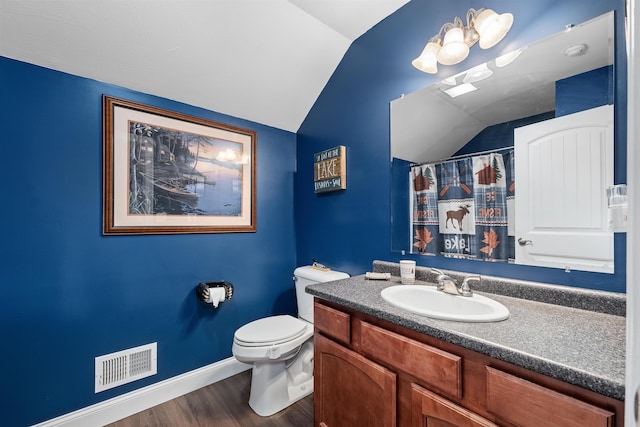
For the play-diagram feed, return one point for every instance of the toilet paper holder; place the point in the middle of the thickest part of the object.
(202, 290)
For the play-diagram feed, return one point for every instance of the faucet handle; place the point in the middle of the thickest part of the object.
(442, 279)
(441, 275)
(465, 290)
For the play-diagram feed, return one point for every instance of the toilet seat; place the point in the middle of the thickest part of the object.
(269, 331)
(270, 339)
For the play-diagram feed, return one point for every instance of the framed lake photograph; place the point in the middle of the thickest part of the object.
(166, 172)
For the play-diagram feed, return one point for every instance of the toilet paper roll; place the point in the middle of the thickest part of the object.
(216, 296)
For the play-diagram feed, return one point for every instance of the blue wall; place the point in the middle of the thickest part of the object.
(584, 91)
(349, 229)
(70, 294)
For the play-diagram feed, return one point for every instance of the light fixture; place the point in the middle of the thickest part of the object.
(576, 50)
(428, 59)
(454, 49)
(508, 58)
(460, 90)
(450, 81)
(477, 73)
(492, 27)
(451, 45)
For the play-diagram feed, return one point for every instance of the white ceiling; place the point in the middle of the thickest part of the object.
(262, 60)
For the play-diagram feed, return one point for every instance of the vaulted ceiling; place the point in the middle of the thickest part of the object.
(262, 60)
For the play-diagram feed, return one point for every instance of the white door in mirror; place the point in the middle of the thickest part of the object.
(563, 167)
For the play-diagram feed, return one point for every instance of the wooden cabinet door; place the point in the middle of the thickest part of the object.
(351, 390)
(431, 410)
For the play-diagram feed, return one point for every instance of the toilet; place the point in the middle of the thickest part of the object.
(281, 349)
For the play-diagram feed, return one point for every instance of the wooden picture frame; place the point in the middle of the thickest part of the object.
(170, 173)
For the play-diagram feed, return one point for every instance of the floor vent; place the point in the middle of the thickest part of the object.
(126, 366)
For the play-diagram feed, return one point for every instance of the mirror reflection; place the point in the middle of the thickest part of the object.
(479, 109)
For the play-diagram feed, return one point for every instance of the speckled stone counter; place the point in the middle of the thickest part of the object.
(582, 347)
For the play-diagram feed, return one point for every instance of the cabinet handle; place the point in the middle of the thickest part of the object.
(523, 242)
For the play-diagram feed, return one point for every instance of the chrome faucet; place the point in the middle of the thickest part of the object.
(449, 285)
(445, 283)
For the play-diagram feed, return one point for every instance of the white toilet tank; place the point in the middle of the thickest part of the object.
(305, 276)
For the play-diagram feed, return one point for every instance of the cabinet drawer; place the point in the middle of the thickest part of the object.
(332, 322)
(430, 365)
(527, 404)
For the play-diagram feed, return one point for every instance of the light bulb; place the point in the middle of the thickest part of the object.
(508, 58)
(492, 27)
(454, 49)
(427, 61)
(477, 73)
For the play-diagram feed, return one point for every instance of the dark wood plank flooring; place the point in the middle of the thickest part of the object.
(222, 404)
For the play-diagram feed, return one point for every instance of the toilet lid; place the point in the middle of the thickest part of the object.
(270, 330)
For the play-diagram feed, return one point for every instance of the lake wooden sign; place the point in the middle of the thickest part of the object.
(330, 170)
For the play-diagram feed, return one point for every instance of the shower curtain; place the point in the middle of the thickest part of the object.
(464, 208)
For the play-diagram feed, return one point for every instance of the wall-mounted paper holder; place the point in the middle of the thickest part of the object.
(214, 292)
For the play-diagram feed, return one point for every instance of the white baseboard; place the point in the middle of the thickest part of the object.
(133, 402)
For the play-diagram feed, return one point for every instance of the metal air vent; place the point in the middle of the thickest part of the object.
(125, 366)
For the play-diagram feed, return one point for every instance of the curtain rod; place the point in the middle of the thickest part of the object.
(459, 156)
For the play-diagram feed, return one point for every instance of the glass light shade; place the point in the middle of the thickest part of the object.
(508, 58)
(477, 74)
(492, 27)
(428, 59)
(450, 81)
(454, 49)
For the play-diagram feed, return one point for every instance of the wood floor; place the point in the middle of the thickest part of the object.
(223, 404)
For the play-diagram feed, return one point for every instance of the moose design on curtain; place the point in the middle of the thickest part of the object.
(464, 208)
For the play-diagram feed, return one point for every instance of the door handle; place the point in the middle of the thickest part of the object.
(523, 242)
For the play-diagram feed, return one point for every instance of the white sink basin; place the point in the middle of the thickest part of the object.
(428, 301)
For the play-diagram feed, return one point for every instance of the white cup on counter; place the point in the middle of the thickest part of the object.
(407, 272)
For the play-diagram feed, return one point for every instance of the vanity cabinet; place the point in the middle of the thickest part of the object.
(351, 390)
(372, 372)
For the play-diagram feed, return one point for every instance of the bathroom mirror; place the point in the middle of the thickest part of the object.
(519, 88)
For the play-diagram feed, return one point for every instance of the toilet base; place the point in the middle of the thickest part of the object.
(275, 386)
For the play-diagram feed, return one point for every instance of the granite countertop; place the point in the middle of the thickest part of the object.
(581, 347)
